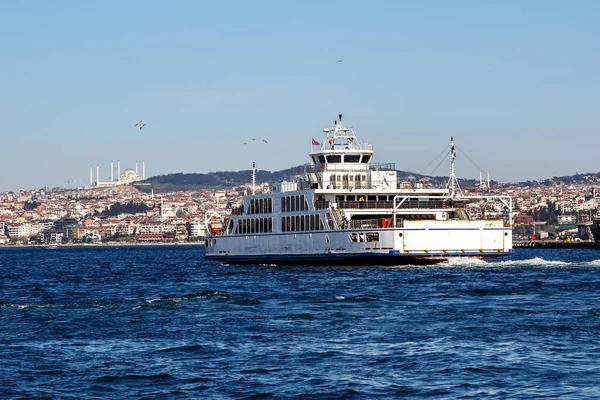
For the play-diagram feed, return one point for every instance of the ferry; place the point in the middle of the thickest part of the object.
(347, 210)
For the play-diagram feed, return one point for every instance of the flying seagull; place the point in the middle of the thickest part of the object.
(139, 123)
(265, 141)
(340, 61)
(142, 126)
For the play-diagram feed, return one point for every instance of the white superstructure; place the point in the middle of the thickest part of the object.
(347, 209)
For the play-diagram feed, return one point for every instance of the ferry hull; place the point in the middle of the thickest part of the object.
(351, 259)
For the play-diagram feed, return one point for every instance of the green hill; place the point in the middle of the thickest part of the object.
(228, 179)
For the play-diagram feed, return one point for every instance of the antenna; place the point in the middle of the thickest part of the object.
(253, 177)
(452, 182)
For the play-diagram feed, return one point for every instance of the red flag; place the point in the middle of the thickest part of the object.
(315, 143)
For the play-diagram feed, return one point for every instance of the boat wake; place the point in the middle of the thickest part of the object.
(530, 262)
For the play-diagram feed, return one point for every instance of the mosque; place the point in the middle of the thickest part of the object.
(127, 177)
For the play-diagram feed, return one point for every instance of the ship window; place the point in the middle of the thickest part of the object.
(292, 223)
(270, 224)
(297, 198)
(350, 198)
(314, 160)
(322, 159)
(373, 237)
(270, 207)
(353, 237)
(365, 159)
(334, 159)
(354, 158)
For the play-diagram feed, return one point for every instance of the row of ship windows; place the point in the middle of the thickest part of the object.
(265, 206)
(347, 177)
(291, 223)
(296, 223)
(260, 206)
(254, 225)
(294, 203)
(364, 237)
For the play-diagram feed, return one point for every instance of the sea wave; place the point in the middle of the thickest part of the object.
(533, 262)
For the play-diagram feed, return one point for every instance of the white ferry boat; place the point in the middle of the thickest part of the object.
(345, 209)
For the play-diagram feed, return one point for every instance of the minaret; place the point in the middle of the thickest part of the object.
(161, 208)
(143, 170)
(136, 167)
(119, 170)
(97, 175)
(112, 172)
(91, 176)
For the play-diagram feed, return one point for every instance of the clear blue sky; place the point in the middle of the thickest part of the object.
(516, 82)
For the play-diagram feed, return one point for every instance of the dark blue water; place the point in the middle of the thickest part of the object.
(163, 322)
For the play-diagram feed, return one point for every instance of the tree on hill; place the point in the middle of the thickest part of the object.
(123, 208)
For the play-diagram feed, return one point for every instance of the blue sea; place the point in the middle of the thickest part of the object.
(158, 322)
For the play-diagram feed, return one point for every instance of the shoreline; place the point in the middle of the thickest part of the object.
(111, 244)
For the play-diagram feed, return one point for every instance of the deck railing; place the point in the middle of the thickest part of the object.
(408, 204)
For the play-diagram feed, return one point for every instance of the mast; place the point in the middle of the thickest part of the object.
(253, 177)
(452, 182)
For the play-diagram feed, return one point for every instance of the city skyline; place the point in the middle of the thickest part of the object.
(514, 83)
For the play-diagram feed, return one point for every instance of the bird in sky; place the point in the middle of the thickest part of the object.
(139, 123)
(340, 61)
(245, 142)
(142, 126)
(265, 141)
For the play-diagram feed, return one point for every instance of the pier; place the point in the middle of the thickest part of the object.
(557, 244)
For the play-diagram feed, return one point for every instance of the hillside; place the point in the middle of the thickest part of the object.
(227, 179)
